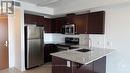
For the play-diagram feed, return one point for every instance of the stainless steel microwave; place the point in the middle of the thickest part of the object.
(70, 29)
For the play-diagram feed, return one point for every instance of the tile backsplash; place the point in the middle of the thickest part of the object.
(59, 38)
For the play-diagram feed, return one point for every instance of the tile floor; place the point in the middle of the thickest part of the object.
(42, 69)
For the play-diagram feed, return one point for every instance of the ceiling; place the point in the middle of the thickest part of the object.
(41, 2)
(62, 7)
(62, 3)
(65, 3)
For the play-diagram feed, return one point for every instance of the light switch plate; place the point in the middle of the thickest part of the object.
(68, 63)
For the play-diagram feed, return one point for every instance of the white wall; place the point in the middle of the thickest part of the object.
(16, 45)
(117, 36)
(11, 41)
(14, 39)
(17, 38)
(22, 40)
(69, 6)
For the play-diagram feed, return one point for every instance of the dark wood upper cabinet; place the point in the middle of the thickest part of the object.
(30, 19)
(89, 23)
(38, 20)
(33, 19)
(96, 22)
(47, 25)
(81, 22)
(70, 18)
(58, 24)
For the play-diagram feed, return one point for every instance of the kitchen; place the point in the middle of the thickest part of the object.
(104, 39)
(69, 26)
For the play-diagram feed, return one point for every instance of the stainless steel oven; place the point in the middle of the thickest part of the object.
(70, 29)
(70, 43)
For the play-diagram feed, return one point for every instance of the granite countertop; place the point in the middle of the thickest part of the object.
(63, 43)
(52, 42)
(73, 45)
(83, 57)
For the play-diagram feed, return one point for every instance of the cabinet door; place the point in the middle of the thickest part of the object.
(70, 18)
(47, 25)
(57, 24)
(60, 65)
(47, 57)
(79, 68)
(49, 48)
(40, 20)
(45, 22)
(53, 25)
(96, 22)
(81, 22)
(30, 19)
(100, 65)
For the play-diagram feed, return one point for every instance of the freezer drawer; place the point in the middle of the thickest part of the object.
(34, 53)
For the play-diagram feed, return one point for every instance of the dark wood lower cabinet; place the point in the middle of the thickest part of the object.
(49, 48)
(79, 68)
(59, 65)
(99, 66)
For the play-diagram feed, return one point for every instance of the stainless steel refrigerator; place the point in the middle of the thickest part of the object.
(33, 46)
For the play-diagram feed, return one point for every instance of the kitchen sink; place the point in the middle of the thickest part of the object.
(83, 50)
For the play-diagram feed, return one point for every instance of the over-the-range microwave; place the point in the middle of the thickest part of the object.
(69, 29)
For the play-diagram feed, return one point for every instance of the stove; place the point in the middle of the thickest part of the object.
(69, 44)
(72, 41)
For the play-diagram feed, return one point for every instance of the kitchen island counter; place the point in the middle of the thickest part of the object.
(83, 57)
